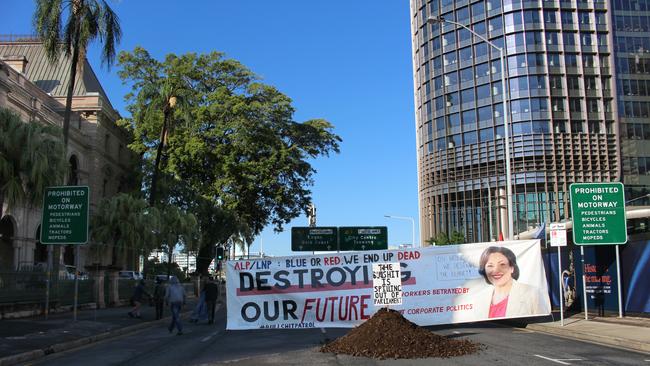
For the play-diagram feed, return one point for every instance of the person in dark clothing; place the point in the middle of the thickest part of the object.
(159, 298)
(138, 294)
(211, 296)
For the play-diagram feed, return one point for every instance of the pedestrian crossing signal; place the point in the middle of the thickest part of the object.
(219, 253)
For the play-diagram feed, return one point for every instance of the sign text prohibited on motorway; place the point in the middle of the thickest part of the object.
(65, 215)
(598, 211)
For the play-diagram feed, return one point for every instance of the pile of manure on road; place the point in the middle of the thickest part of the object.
(387, 334)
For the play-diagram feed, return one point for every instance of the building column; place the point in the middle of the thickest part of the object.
(97, 274)
(113, 288)
(18, 248)
(503, 213)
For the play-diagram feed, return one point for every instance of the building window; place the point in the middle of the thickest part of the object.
(557, 104)
(576, 127)
(107, 144)
(575, 105)
(531, 16)
(555, 81)
(569, 39)
(567, 17)
(549, 16)
(478, 9)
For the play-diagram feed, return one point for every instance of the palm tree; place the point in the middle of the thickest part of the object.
(124, 221)
(86, 21)
(32, 158)
(160, 95)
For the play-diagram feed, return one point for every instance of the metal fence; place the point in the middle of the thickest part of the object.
(30, 288)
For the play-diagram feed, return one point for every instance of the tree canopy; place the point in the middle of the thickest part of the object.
(32, 157)
(231, 141)
(69, 26)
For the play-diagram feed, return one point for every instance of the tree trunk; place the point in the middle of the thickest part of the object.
(203, 259)
(169, 260)
(159, 152)
(68, 99)
(2, 202)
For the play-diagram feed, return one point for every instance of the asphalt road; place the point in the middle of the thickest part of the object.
(212, 345)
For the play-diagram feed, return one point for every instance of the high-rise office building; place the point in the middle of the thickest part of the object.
(577, 99)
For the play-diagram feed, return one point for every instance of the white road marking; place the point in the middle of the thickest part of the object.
(210, 336)
(559, 360)
(456, 332)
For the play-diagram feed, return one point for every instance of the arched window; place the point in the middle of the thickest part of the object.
(6, 244)
(73, 172)
(40, 251)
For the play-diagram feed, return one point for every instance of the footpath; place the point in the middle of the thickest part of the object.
(630, 333)
(27, 339)
(22, 340)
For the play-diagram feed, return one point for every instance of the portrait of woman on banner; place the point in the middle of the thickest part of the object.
(505, 296)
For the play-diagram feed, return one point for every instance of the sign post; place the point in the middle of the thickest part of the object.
(558, 239)
(65, 221)
(598, 211)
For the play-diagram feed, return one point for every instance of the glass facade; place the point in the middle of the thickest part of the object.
(632, 50)
(562, 106)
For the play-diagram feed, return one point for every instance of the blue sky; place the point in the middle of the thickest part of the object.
(346, 61)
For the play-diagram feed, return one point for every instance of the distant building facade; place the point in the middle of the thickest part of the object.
(97, 153)
(579, 102)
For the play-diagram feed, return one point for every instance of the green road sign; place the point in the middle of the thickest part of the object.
(65, 215)
(310, 239)
(598, 211)
(363, 238)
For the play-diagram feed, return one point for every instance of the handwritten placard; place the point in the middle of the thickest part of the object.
(386, 284)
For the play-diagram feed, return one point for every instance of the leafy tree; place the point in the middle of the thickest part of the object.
(457, 237)
(32, 158)
(441, 238)
(161, 102)
(125, 222)
(153, 267)
(175, 227)
(86, 20)
(234, 143)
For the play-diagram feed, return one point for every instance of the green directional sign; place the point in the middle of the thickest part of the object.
(598, 211)
(363, 238)
(310, 239)
(65, 215)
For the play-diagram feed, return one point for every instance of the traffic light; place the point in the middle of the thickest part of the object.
(219, 253)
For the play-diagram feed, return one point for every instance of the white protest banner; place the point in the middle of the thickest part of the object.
(440, 285)
(386, 284)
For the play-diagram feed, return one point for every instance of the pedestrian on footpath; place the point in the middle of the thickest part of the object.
(200, 311)
(175, 297)
(159, 298)
(138, 293)
(211, 296)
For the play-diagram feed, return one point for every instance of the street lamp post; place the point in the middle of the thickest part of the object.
(412, 225)
(506, 137)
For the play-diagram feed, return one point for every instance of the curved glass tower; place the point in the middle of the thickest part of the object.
(561, 100)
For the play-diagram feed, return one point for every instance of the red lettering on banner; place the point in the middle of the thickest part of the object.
(408, 255)
(331, 261)
(339, 308)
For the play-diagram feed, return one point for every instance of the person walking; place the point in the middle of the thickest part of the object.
(138, 293)
(159, 298)
(200, 311)
(175, 297)
(211, 297)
